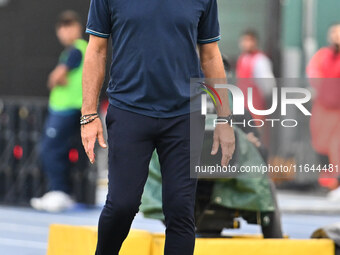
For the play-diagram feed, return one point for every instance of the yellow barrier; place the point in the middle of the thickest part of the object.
(81, 240)
(254, 246)
(77, 240)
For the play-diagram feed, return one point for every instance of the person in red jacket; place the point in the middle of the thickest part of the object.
(254, 70)
(252, 66)
(324, 68)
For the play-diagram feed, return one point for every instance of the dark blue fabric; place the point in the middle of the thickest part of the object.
(154, 50)
(132, 139)
(72, 58)
(60, 130)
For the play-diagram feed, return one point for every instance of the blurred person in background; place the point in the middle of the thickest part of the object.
(62, 123)
(325, 119)
(254, 70)
(254, 64)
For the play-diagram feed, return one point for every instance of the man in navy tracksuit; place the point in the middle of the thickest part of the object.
(154, 56)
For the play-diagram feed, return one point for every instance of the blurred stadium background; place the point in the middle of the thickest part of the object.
(290, 31)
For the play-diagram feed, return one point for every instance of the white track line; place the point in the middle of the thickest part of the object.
(23, 243)
(23, 228)
(44, 217)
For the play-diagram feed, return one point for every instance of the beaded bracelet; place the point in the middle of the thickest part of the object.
(88, 118)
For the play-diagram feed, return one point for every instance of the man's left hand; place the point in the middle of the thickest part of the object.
(224, 136)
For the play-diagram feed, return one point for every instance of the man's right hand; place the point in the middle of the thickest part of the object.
(93, 78)
(89, 134)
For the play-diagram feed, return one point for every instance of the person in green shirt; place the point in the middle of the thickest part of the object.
(62, 123)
